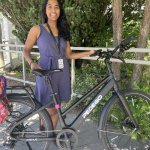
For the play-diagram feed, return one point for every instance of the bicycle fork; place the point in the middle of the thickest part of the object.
(120, 94)
(125, 104)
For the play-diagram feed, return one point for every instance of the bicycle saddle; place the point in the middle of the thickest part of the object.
(44, 72)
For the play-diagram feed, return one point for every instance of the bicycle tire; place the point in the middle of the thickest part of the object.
(23, 104)
(117, 130)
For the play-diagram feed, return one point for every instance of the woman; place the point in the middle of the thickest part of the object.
(51, 56)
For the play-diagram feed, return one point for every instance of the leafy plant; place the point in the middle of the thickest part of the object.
(140, 109)
(86, 78)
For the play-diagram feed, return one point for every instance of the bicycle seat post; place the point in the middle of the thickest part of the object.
(55, 101)
(49, 83)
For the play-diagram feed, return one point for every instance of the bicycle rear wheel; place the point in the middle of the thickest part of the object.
(117, 128)
(21, 106)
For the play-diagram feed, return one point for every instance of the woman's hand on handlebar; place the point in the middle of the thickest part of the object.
(96, 52)
(34, 66)
(92, 52)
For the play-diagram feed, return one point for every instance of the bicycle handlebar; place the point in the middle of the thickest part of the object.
(128, 40)
(123, 46)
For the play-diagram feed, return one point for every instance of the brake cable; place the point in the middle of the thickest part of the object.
(122, 49)
(125, 72)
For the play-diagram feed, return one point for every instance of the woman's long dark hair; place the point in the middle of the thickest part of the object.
(62, 24)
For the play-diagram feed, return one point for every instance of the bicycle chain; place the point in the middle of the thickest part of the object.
(37, 132)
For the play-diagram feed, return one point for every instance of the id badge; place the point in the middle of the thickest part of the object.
(60, 63)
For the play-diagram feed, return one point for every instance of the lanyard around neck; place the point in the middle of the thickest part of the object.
(57, 44)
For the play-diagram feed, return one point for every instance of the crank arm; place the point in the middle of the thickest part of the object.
(67, 141)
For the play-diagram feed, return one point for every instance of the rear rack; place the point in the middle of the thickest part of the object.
(27, 92)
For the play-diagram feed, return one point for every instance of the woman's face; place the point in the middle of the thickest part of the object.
(52, 10)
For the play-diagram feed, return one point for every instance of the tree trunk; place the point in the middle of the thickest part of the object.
(142, 43)
(1, 53)
(117, 33)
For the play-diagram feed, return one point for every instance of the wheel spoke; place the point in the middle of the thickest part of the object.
(118, 129)
(20, 108)
(114, 117)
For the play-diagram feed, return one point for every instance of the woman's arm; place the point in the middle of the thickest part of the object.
(71, 55)
(31, 39)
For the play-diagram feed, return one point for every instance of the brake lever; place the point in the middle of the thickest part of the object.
(98, 58)
(100, 55)
(125, 48)
(135, 46)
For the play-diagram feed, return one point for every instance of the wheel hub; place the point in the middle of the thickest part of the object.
(127, 123)
(11, 143)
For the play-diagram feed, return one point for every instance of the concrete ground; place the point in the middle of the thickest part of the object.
(87, 135)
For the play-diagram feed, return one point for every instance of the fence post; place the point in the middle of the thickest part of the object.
(72, 75)
(8, 55)
(24, 69)
(2, 63)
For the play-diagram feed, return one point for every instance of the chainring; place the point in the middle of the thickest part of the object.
(60, 139)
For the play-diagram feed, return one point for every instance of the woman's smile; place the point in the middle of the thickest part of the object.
(53, 10)
(53, 15)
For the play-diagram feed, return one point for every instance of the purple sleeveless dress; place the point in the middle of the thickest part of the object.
(49, 60)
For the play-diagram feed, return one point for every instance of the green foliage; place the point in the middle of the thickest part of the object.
(148, 43)
(145, 80)
(86, 78)
(89, 76)
(90, 21)
(131, 27)
(17, 74)
(139, 109)
(23, 14)
(140, 112)
(132, 9)
(87, 20)
(126, 81)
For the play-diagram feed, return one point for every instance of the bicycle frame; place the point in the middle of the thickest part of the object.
(107, 84)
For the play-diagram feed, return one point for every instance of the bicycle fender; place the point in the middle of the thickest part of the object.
(101, 118)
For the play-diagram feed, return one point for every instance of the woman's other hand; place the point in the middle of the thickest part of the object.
(34, 66)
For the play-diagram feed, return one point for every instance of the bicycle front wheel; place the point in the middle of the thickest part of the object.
(21, 105)
(118, 131)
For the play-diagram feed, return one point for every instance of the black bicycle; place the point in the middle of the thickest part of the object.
(120, 126)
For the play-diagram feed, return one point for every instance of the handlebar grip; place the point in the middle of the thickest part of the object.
(96, 53)
(127, 41)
